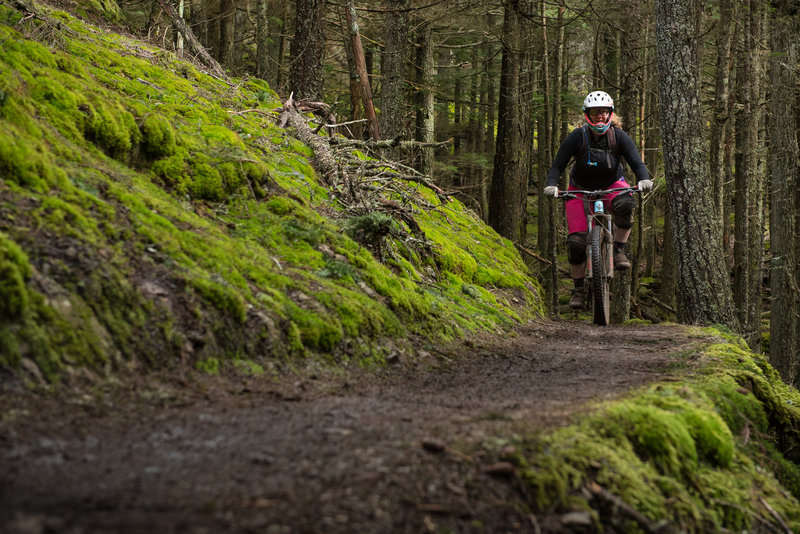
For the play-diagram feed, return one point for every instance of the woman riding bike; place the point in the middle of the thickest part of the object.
(597, 148)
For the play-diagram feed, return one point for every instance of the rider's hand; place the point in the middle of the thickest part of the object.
(645, 185)
(551, 191)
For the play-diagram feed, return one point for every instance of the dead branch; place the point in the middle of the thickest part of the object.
(631, 512)
(190, 38)
(32, 11)
(776, 515)
(326, 165)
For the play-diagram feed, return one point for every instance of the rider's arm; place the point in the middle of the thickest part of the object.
(569, 146)
(628, 150)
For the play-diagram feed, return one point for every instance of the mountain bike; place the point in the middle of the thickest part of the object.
(599, 249)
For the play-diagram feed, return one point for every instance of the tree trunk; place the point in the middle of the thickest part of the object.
(262, 40)
(227, 32)
(426, 73)
(703, 290)
(508, 193)
(212, 26)
(355, 130)
(393, 69)
(548, 228)
(784, 156)
(722, 111)
(308, 50)
(748, 228)
(361, 69)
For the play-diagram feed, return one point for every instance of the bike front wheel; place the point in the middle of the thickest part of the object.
(601, 305)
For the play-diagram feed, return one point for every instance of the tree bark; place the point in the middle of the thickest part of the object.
(393, 69)
(227, 32)
(722, 111)
(262, 40)
(509, 183)
(784, 156)
(361, 69)
(308, 50)
(703, 291)
(748, 226)
(425, 116)
(548, 228)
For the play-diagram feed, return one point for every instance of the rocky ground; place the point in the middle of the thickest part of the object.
(416, 447)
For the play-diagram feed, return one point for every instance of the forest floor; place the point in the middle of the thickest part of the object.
(415, 447)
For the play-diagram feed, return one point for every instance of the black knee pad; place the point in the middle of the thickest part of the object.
(622, 206)
(576, 247)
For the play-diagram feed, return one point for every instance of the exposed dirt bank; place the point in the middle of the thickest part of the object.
(413, 448)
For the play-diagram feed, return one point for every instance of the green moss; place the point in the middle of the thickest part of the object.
(14, 274)
(703, 454)
(209, 366)
(136, 158)
(158, 136)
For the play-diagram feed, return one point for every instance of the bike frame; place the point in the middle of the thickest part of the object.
(597, 217)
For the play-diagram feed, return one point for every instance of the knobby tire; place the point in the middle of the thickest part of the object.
(601, 305)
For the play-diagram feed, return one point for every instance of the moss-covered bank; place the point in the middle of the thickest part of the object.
(715, 451)
(152, 214)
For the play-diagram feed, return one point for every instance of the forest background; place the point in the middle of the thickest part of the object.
(488, 89)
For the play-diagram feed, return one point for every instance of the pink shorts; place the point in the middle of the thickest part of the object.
(576, 217)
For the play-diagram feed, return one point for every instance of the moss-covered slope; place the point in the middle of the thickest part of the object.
(151, 213)
(715, 450)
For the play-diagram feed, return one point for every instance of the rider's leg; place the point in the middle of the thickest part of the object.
(576, 255)
(622, 207)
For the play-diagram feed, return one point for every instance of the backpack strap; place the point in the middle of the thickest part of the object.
(612, 142)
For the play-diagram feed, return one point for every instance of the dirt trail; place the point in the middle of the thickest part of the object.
(349, 453)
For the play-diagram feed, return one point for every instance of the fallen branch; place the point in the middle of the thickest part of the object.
(194, 44)
(540, 259)
(776, 515)
(631, 512)
(325, 163)
(387, 143)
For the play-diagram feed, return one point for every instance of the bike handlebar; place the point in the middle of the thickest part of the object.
(573, 193)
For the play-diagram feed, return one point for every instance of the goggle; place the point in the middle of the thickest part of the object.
(596, 112)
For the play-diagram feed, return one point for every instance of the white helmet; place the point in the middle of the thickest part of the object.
(598, 99)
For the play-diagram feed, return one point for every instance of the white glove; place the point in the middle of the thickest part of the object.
(645, 185)
(551, 191)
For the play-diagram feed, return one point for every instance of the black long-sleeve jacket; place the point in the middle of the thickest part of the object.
(591, 177)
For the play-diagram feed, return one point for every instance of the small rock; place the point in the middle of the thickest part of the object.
(432, 445)
(577, 519)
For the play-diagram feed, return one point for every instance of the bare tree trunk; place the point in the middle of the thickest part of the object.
(509, 179)
(425, 97)
(227, 32)
(308, 50)
(212, 26)
(262, 40)
(361, 68)
(784, 155)
(548, 229)
(277, 51)
(703, 291)
(355, 130)
(748, 228)
(630, 76)
(722, 111)
(393, 69)
(457, 107)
